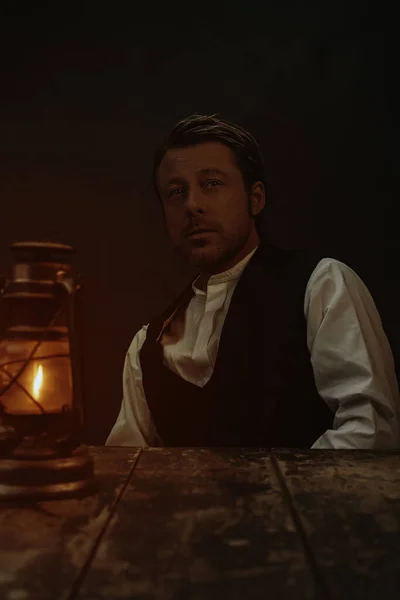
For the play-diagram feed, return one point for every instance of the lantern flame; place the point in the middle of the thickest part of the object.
(38, 382)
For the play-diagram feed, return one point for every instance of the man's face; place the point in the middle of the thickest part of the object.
(205, 203)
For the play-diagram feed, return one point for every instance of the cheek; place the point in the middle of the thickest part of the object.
(235, 215)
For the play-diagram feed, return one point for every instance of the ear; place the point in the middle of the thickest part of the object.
(257, 198)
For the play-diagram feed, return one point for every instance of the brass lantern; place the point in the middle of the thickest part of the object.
(41, 407)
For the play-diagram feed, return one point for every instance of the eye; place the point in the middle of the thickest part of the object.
(213, 183)
(175, 192)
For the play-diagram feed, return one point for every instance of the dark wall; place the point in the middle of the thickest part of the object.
(86, 97)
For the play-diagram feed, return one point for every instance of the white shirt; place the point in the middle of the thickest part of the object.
(350, 355)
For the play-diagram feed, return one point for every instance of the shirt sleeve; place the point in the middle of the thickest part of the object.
(352, 360)
(134, 425)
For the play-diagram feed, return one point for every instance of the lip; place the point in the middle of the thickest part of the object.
(200, 231)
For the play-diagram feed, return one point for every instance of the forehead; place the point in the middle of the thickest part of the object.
(186, 161)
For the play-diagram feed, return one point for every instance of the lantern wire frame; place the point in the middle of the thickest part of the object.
(28, 360)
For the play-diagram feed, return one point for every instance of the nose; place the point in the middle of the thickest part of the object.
(194, 203)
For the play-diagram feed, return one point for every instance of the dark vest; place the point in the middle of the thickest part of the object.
(262, 391)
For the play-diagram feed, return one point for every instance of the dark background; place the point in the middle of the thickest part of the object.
(87, 95)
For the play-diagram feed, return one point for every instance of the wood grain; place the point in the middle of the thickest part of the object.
(348, 505)
(45, 545)
(201, 524)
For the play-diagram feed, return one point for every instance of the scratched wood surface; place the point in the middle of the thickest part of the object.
(348, 505)
(197, 524)
(45, 546)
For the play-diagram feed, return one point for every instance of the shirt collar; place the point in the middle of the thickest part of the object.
(231, 274)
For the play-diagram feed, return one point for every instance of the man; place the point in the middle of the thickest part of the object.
(267, 347)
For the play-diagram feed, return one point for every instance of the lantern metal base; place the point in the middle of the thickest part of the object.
(46, 478)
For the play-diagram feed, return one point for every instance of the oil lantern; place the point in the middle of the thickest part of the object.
(42, 454)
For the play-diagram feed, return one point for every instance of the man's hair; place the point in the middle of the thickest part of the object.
(197, 129)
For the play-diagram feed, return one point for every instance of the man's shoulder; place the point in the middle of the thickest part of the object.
(302, 260)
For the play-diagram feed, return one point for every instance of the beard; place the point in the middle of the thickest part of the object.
(211, 252)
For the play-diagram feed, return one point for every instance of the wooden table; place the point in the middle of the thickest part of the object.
(203, 524)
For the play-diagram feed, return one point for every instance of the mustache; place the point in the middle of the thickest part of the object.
(198, 225)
